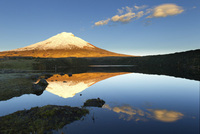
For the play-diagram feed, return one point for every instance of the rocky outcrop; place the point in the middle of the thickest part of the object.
(94, 103)
(39, 87)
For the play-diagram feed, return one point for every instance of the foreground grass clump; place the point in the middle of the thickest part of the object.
(40, 119)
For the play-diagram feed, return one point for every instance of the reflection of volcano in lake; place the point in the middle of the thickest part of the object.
(65, 86)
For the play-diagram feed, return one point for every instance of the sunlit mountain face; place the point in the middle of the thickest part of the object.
(60, 45)
(67, 86)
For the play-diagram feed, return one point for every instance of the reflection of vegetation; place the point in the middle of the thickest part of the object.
(14, 87)
(40, 120)
(17, 84)
(183, 64)
(94, 103)
(136, 114)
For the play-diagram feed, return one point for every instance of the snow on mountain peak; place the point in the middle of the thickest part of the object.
(65, 34)
(62, 40)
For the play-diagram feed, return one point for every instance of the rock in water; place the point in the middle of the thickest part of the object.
(39, 87)
(43, 82)
(94, 103)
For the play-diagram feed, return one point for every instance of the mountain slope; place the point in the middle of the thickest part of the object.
(60, 45)
(60, 41)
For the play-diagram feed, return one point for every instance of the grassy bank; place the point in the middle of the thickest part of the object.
(28, 63)
(20, 64)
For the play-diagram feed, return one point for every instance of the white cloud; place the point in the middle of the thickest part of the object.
(127, 17)
(127, 14)
(136, 7)
(148, 11)
(129, 9)
(165, 10)
(120, 11)
(140, 14)
(102, 22)
(123, 18)
(140, 7)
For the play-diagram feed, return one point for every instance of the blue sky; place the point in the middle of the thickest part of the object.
(25, 22)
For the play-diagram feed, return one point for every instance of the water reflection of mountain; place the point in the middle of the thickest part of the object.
(67, 86)
(62, 85)
(17, 84)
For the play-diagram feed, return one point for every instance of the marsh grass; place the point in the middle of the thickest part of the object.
(21, 64)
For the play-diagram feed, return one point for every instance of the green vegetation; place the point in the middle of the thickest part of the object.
(40, 119)
(52, 63)
(183, 64)
(14, 86)
(29, 63)
(182, 59)
(20, 64)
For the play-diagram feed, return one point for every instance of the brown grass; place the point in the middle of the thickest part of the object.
(96, 52)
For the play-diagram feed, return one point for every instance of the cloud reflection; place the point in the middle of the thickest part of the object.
(129, 113)
(166, 116)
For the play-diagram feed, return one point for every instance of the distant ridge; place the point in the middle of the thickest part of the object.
(61, 45)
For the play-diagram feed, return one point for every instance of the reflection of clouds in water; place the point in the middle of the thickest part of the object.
(127, 112)
(136, 114)
(166, 116)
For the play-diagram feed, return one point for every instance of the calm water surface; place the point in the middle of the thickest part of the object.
(134, 103)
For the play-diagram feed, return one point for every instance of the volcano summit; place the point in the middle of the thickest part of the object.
(60, 45)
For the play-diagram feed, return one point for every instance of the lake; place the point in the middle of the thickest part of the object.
(134, 102)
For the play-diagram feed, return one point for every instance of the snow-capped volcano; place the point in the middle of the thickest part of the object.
(60, 45)
(60, 41)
